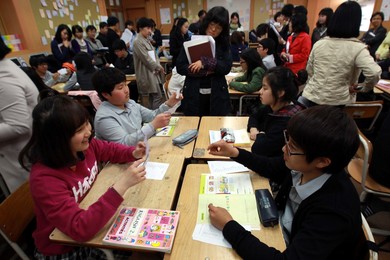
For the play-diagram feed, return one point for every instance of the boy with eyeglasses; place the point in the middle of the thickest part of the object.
(319, 206)
(266, 50)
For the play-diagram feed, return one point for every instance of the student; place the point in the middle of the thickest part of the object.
(156, 38)
(298, 46)
(236, 45)
(235, 24)
(320, 31)
(18, 98)
(102, 37)
(65, 159)
(125, 63)
(112, 35)
(120, 119)
(84, 72)
(39, 64)
(279, 91)
(266, 49)
(254, 71)
(205, 89)
(128, 35)
(376, 34)
(94, 45)
(194, 27)
(179, 34)
(319, 206)
(150, 74)
(334, 74)
(60, 45)
(43, 89)
(78, 43)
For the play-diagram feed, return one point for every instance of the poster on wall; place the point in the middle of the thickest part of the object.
(165, 15)
(242, 7)
(367, 9)
(385, 8)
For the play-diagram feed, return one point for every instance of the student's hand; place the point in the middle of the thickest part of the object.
(161, 120)
(68, 71)
(377, 57)
(173, 100)
(253, 133)
(281, 41)
(219, 216)
(353, 88)
(139, 151)
(195, 66)
(132, 176)
(222, 148)
(56, 76)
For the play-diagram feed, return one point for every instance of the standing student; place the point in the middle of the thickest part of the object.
(318, 204)
(266, 126)
(333, 74)
(205, 89)
(156, 38)
(78, 43)
(60, 45)
(112, 35)
(235, 24)
(65, 159)
(177, 37)
(128, 35)
(125, 63)
(18, 98)
(298, 45)
(376, 34)
(121, 120)
(150, 74)
(194, 27)
(102, 36)
(254, 71)
(320, 31)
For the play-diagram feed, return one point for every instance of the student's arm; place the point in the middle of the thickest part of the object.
(60, 55)
(49, 80)
(16, 119)
(379, 36)
(71, 83)
(221, 64)
(112, 152)
(370, 69)
(303, 53)
(309, 65)
(252, 86)
(75, 46)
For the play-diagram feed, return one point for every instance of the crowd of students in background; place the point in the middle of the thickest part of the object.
(294, 73)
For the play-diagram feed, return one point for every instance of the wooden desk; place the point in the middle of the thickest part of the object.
(215, 123)
(130, 78)
(385, 87)
(148, 194)
(160, 145)
(184, 247)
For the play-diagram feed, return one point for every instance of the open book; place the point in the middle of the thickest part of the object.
(199, 46)
(146, 229)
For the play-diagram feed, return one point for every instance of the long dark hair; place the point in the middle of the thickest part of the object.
(4, 50)
(282, 79)
(235, 14)
(328, 12)
(218, 15)
(60, 28)
(345, 22)
(84, 62)
(177, 29)
(55, 121)
(253, 60)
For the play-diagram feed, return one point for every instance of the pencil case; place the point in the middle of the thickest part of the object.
(185, 137)
(266, 207)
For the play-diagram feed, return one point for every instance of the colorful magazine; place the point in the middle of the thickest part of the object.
(146, 229)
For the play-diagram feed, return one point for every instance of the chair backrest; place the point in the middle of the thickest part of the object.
(365, 110)
(369, 236)
(16, 212)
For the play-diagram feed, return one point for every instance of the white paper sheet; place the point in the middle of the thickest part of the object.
(155, 170)
(221, 167)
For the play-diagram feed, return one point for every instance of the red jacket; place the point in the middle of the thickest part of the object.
(299, 51)
(58, 192)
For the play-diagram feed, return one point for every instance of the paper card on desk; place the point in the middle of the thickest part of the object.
(220, 167)
(241, 137)
(384, 83)
(155, 170)
(165, 131)
(239, 183)
(243, 208)
(209, 234)
(173, 120)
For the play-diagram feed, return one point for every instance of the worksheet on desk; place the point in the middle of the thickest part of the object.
(239, 183)
(242, 208)
(222, 167)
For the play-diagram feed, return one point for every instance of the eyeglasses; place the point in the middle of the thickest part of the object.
(215, 26)
(286, 140)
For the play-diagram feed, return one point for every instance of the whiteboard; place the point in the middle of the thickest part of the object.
(242, 7)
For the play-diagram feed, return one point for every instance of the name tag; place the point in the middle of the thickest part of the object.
(371, 34)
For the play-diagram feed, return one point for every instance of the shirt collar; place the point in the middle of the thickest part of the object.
(117, 109)
(307, 189)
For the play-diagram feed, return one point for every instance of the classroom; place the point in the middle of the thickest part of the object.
(178, 129)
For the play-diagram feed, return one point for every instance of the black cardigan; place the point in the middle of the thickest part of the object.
(327, 224)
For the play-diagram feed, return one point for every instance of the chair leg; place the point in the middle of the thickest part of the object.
(16, 247)
(108, 252)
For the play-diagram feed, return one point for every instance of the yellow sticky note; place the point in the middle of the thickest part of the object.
(51, 24)
(47, 33)
(89, 12)
(55, 5)
(42, 13)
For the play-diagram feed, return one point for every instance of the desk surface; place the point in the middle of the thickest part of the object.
(161, 145)
(386, 88)
(158, 194)
(184, 246)
(233, 92)
(59, 87)
(208, 123)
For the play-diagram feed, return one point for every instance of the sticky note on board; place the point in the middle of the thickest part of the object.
(55, 5)
(42, 13)
(48, 13)
(51, 24)
(47, 33)
(71, 17)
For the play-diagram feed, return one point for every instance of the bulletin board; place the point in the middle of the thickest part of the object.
(242, 7)
(187, 8)
(51, 13)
